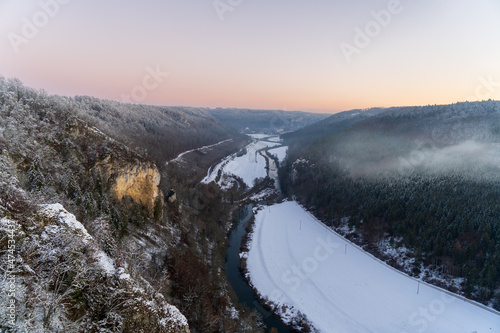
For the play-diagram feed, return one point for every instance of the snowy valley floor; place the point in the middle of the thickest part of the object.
(295, 260)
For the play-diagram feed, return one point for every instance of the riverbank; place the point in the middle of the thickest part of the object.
(235, 272)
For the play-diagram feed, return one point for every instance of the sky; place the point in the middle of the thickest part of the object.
(314, 55)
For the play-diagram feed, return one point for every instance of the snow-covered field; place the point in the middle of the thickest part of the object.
(248, 167)
(258, 136)
(274, 139)
(280, 152)
(296, 261)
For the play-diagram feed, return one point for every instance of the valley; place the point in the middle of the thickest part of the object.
(317, 280)
(235, 166)
(169, 212)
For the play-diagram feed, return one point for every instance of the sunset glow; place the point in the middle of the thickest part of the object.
(257, 54)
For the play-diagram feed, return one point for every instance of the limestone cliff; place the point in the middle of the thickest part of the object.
(125, 172)
(135, 179)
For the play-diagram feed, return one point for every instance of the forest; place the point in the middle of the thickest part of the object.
(376, 179)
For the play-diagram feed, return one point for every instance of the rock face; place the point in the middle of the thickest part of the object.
(135, 179)
(140, 183)
(125, 173)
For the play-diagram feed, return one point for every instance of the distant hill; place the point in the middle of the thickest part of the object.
(265, 121)
(163, 131)
(330, 125)
(385, 135)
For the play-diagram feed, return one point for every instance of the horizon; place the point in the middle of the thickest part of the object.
(321, 57)
(264, 109)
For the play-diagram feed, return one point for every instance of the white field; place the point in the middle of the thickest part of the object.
(258, 136)
(249, 166)
(295, 260)
(274, 139)
(280, 152)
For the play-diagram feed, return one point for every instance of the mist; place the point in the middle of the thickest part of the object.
(470, 158)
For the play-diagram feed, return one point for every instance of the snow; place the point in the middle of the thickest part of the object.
(63, 216)
(263, 194)
(258, 136)
(248, 167)
(179, 157)
(280, 152)
(58, 211)
(212, 173)
(175, 317)
(295, 260)
(106, 263)
(6, 223)
(274, 139)
(121, 274)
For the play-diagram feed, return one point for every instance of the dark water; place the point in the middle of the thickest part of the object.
(236, 278)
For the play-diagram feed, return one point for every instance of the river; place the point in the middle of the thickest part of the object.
(235, 276)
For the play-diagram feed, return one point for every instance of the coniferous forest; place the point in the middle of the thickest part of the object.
(411, 180)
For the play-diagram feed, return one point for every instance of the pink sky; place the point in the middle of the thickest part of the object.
(263, 54)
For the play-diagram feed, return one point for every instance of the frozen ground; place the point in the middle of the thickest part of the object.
(295, 260)
(258, 136)
(248, 167)
(280, 152)
(274, 139)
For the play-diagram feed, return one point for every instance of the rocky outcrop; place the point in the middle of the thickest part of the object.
(135, 179)
(125, 172)
(138, 182)
(62, 275)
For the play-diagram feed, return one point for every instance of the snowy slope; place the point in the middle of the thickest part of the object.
(279, 152)
(296, 260)
(54, 245)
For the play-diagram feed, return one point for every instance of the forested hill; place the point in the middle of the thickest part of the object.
(97, 237)
(442, 124)
(417, 186)
(166, 131)
(330, 125)
(265, 121)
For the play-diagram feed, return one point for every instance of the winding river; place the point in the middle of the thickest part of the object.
(235, 276)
